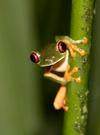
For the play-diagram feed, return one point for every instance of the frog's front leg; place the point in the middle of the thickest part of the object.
(55, 78)
(67, 76)
(72, 45)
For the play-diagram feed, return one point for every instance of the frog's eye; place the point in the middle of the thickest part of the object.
(34, 57)
(62, 46)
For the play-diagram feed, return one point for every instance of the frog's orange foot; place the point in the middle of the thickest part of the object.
(75, 69)
(68, 75)
(73, 47)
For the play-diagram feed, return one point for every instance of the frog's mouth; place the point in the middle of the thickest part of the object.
(48, 69)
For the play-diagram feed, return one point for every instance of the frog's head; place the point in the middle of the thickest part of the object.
(50, 54)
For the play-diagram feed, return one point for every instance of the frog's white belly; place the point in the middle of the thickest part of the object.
(61, 66)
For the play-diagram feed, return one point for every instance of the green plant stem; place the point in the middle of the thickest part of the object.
(75, 119)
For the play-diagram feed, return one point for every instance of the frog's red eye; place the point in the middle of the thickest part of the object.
(34, 57)
(62, 46)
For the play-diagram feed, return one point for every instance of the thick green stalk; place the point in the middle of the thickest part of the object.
(75, 119)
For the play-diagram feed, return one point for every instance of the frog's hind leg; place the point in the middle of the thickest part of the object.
(60, 99)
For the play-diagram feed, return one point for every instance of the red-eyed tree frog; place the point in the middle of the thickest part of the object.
(55, 57)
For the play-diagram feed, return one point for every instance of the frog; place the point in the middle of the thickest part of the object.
(55, 57)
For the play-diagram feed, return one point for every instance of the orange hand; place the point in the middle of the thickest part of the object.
(73, 46)
(68, 75)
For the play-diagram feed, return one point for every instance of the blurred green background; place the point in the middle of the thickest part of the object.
(26, 97)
